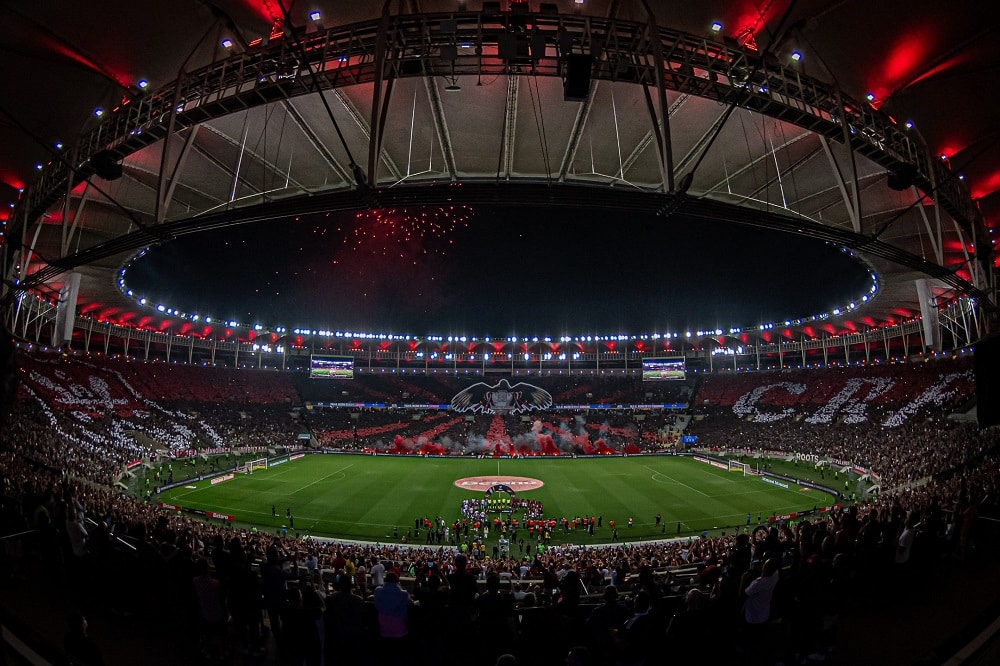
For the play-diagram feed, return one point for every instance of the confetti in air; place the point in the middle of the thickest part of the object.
(395, 231)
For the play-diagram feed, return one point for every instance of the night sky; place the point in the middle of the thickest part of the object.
(498, 272)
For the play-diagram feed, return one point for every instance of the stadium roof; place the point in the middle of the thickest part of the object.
(762, 98)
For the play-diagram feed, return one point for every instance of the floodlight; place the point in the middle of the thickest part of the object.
(227, 43)
(314, 16)
(796, 56)
(716, 26)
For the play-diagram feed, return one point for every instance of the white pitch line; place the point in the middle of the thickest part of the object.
(189, 492)
(240, 511)
(321, 479)
(654, 471)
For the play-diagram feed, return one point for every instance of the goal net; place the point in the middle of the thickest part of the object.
(735, 466)
(260, 463)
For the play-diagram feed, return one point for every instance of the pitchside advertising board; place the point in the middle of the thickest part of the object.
(331, 367)
(662, 369)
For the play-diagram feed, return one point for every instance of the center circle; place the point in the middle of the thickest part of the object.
(517, 483)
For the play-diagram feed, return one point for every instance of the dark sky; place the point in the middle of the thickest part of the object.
(497, 272)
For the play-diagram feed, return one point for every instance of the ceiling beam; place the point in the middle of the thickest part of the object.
(752, 163)
(359, 120)
(317, 143)
(260, 159)
(508, 134)
(441, 126)
(646, 140)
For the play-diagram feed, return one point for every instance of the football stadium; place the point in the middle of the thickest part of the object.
(597, 332)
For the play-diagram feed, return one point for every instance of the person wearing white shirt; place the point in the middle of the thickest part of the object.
(377, 575)
(757, 595)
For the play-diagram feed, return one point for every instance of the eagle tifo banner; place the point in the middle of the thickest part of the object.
(501, 398)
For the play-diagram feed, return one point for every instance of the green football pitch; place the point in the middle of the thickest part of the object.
(367, 497)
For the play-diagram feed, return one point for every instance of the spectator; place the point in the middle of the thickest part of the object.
(393, 606)
(213, 614)
(757, 587)
(345, 624)
(602, 623)
(82, 650)
(636, 640)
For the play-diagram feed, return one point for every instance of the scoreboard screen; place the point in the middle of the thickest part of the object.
(331, 367)
(662, 369)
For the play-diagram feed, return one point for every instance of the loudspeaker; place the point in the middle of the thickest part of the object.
(901, 177)
(491, 8)
(576, 85)
(106, 165)
(986, 362)
(538, 45)
(513, 48)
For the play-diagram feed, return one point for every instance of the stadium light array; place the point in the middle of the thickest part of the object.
(357, 335)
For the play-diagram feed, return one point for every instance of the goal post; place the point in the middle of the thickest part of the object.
(735, 466)
(260, 463)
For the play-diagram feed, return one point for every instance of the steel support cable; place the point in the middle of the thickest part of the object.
(503, 133)
(539, 194)
(536, 105)
(62, 159)
(314, 80)
(791, 170)
(52, 270)
(930, 191)
(746, 140)
(738, 98)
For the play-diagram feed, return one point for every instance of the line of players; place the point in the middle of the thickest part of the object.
(477, 523)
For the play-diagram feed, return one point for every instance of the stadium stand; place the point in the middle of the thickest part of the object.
(782, 592)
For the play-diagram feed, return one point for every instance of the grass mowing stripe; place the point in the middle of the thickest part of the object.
(655, 473)
(375, 493)
(308, 485)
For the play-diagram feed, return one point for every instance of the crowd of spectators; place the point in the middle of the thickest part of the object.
(775, 592)
(891, 419)
(570, 431)
(399, 389)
